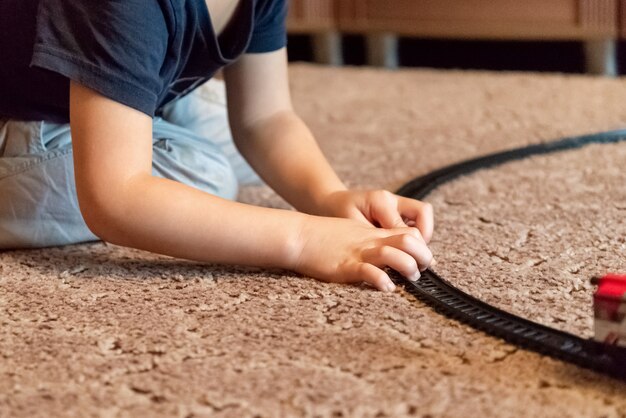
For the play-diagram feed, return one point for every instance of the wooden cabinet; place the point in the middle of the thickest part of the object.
(310, 16)
(320, 19)
(595, 22)
(622, 19)
(482, 19)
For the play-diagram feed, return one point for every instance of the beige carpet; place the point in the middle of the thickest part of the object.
(103, 331)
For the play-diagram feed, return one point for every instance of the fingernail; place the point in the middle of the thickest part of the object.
(390, 287)
(433, 263)
(415, 276)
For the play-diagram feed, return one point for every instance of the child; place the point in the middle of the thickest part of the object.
(105, 133)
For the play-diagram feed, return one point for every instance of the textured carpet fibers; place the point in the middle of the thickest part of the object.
(533, 232)
(99, 330)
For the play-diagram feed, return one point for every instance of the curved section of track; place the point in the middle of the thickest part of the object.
(455, 303)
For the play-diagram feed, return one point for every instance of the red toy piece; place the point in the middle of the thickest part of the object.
(609, 306)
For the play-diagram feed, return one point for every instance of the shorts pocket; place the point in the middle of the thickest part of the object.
(20, 138)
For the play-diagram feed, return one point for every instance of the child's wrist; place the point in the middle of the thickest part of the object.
(297, 240)
(323, 201)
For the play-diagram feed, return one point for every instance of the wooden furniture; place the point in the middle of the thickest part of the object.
(594, 22)
(622, 19)
(318, 18)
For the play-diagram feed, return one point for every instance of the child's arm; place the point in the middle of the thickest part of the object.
(124, 204)
(283, 151)
(271, 136)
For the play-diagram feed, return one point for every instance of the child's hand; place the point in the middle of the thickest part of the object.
(381, 208)
(349, 251)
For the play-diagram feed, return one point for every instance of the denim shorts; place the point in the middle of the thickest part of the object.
(192, 144)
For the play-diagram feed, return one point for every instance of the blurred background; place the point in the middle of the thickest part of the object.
(571, 36)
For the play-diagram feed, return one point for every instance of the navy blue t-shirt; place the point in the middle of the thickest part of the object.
(142, 53)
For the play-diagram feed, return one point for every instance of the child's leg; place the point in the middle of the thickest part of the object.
(38, 204)
(203, 111)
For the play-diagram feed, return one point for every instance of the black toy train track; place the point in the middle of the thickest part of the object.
(454, 303)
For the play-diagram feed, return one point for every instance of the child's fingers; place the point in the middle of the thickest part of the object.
(410, 244)
(357, 215)
(366, 272)
(421, 213)
(418, 235)
(384, 209)
(414, 232)
(395, 258)
(409, 222)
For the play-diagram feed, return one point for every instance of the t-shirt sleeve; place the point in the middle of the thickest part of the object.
(115, 47)
(270, 32)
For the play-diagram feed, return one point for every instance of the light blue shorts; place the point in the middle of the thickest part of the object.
(192, 144)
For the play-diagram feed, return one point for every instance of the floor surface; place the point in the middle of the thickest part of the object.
(98, 330)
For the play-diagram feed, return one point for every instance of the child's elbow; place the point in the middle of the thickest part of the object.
(102, 215)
